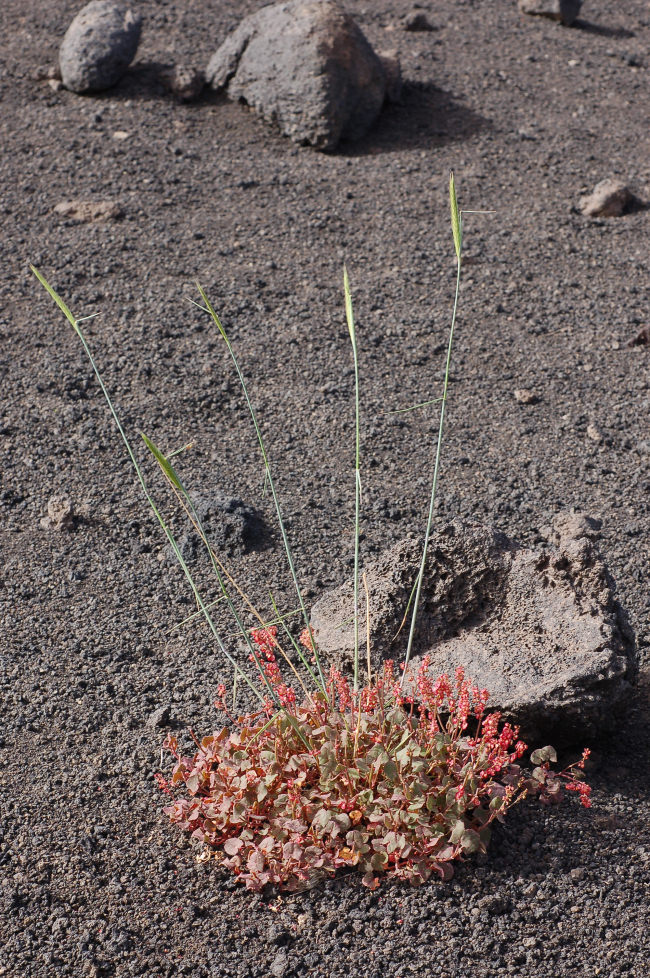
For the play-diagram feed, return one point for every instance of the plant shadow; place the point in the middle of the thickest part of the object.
(424, 118)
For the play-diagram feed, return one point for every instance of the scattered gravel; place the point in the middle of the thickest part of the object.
(531, 116)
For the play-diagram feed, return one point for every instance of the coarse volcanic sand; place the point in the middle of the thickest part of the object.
(530, 115)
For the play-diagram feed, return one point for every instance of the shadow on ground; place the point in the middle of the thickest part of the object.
(603, 31)
(426, 117)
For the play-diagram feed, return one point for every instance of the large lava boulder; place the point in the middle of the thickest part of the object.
(99, 45)
(306, 66)
(540, 629)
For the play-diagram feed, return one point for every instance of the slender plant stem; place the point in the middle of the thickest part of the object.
(414, 407)
(74, 322)
(269, 478)
(220, 569)
(456, 222)
(173, 477)
(368, 660)
(222, 573)
(357, 470)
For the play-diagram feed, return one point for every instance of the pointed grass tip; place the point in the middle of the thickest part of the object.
(455, 215)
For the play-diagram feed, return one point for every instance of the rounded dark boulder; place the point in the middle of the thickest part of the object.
(306, 66)
(99, 45)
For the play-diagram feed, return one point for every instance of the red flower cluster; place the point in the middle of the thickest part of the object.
(266, 641)
(584, 789)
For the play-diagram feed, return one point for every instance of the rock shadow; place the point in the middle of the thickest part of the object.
(425, 117)
(603, 30)
(144, 80)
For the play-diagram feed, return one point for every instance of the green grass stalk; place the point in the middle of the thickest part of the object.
(186, 502)
(268, 476)
(457, 232)
(74, 322)
(281, 620)
(172, 476)
(349, 314)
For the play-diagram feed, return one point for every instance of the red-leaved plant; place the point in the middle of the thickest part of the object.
(371, 779)
(341, 776)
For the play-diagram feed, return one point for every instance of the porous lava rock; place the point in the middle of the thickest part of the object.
(183, 81)
(231, 526)
(609, 198)
(60, 513)
(306, 66)
(539, 628)
(99, 45)
(566, 11)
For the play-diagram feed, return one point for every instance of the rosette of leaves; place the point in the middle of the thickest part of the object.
(366, 781)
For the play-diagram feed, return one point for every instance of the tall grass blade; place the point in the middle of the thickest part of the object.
(168, 533)
(165, 465)
(285, 540)
(233, 704)
(193, 616)
(414, 407)
(186, 501)
(280, 619)
(368, 659)
(57, 298)
(457, 231)
(456, 220)
(357, 469)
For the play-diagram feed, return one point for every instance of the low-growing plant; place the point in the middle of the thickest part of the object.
(392, 777)
(366, 778)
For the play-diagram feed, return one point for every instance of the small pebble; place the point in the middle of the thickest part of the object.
(280, 964)
(60, 513)
(278, 935)
(610, 198)
(183, 81)
(89, 211)
(159, 717)
(525, 396)
(417, 20)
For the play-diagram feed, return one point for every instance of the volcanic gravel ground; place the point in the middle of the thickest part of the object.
(530, 115)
